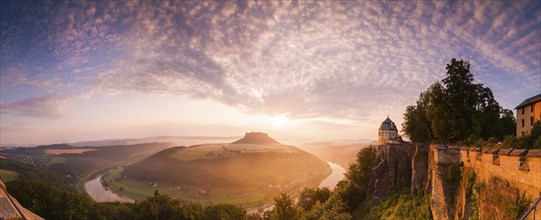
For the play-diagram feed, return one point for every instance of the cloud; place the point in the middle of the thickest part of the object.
(309, 59)
(17, 128)
(49, 106)
(18, 75)
(300, 58)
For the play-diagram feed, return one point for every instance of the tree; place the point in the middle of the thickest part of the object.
(416, 125)
(505, 125)
(360, 172)
(533, 139)
(352, 191)
(50, 201)
(285, 209)
(157, 207)
(224, 212)
(460, 98)
(454, 109)
(428, 120)
(310, 196)
(335, 210)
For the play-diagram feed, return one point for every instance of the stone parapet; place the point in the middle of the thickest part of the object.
(520, 167)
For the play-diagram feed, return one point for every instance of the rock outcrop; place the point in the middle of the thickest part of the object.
(256, 138)
(419, 166)
(442, 189)
(393, 171)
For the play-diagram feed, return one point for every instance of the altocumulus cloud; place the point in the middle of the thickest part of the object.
(49, 106)
(338, 59)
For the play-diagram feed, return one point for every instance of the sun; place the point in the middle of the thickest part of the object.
(280, 121)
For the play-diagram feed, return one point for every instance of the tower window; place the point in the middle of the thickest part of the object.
(531, 108)
(531, 121)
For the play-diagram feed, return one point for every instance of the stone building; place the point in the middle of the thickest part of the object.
(387, 131)
(528, 112)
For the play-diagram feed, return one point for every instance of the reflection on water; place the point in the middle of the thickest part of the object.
(99, 194)
(335, 177)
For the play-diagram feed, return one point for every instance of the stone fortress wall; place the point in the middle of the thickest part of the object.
(520, 168)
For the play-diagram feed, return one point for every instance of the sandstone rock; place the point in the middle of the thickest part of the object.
(394, 170)
(419, 168)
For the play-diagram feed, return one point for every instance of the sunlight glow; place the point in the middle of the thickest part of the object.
(280, 121)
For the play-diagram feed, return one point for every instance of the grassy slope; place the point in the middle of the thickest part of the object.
(240, 177)
(400, 205)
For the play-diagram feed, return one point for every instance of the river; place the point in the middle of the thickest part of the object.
(96, 190)
(337, 174)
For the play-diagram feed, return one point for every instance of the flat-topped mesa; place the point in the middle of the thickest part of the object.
(256, 138)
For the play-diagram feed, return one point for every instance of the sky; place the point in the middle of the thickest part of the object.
(300, 70)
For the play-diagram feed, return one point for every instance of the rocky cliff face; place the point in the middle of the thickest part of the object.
(464, 183)
(393, 171)
(443, 186)
(419, 167)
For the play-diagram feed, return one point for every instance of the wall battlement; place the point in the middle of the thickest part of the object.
(500, 176)
(520, 167)
(505, 173)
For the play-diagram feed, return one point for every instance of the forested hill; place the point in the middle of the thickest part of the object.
(255, 164)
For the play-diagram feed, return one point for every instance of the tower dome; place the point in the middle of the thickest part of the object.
(387, 131)
(388, 125)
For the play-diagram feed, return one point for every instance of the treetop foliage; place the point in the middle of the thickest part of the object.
(453, 109)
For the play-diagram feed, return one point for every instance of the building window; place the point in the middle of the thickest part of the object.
(531, 108)
(522, 110)
(531, 121)
(522, 122)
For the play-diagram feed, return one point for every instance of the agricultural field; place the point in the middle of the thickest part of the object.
(68, 151)
(209, 151)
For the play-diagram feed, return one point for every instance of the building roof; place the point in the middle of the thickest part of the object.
(388, 125)
(530, 100)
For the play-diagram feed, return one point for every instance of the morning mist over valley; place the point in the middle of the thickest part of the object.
(168, 109)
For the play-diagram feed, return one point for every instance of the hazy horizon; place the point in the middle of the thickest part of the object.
(301, 71)
(187, 141)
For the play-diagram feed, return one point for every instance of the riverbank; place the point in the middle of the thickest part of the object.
(99, 193)
(337, 174)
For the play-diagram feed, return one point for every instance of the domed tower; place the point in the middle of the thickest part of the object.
(387, 131)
